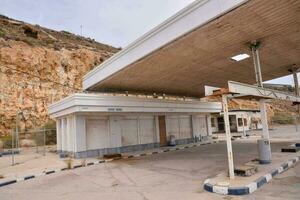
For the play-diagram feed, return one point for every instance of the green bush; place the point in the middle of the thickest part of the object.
(51, 133)
(2, 34)
(7, 141)
(50, 124)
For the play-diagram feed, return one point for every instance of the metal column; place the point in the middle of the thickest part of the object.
(262, 103)
(296, 83)
(295, 77)
(228, 136)
(256, 60)
(244, 131)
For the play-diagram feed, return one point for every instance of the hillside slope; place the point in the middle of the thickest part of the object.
(39, 66)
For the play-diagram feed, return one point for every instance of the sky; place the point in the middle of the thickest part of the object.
(113, 22)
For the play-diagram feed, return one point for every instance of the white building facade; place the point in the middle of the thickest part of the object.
(239, 120)
(90, 125)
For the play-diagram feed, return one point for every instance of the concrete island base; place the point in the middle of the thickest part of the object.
(246, 185)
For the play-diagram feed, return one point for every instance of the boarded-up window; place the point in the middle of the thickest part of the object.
(172, 127)
(147, 130)
(129, 132)
(185, 127)
(97, 133)
(179, 126)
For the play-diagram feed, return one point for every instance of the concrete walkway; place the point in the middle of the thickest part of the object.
(35, 164)
(175, 174)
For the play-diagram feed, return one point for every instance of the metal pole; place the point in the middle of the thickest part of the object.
(295, 77)
(256, 60)
(36, 142)
(12, 148)
(296, 83)
(244, 132)
(264, 119)
(228, 136)
(44, 141)
(17, 131)
(262, 103)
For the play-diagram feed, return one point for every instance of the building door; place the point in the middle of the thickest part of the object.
(162, 130)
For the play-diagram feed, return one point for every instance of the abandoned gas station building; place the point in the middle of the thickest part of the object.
(210, 42)
(95, 124)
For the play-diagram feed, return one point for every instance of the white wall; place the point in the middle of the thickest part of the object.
(215, 120)
(179, 126)
(97, 135)
(200, 127)
(129, 131)
(114, 131)
(58, 135)
(80, 134)
(83, 132)
(64, 134)
(147, 129)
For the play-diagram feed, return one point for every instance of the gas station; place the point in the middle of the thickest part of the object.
(234, 45)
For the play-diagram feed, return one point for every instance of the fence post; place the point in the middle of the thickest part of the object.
(44, 141)
(36, 141)
(12, 148)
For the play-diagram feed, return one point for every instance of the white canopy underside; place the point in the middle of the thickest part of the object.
(193, 49)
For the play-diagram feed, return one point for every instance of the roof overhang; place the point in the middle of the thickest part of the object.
(193, 49)
(98, 103)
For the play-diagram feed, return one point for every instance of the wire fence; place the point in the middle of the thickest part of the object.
(21, 146)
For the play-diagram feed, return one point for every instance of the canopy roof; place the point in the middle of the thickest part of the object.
(193, 49)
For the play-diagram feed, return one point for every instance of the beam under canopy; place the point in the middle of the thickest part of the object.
(243, 90)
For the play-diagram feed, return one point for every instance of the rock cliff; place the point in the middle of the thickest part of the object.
(39, 66)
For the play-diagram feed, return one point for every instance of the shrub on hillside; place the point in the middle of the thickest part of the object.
(30, 31)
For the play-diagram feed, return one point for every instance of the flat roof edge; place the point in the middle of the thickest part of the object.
(173, 28)
(102, 103)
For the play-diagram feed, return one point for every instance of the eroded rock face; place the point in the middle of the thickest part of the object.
(32, 77)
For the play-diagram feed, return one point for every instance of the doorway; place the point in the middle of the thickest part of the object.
(162, 130)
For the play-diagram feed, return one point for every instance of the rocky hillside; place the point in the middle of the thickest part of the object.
(279, 112)
(39, 66)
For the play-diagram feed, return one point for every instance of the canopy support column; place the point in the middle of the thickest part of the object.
(228, 136)
(256, 60)
(295, 70)
(266, 151)
(296, 82)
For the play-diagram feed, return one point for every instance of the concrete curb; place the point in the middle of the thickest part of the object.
(253, 186)
(52, 171)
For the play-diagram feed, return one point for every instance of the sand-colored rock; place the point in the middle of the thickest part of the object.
(27, 143)
(37, 71)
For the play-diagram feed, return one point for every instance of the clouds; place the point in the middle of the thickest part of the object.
(115, 22)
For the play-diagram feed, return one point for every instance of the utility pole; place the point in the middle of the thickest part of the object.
(81, 27)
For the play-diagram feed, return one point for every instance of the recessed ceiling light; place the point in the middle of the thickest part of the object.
(240, 57)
